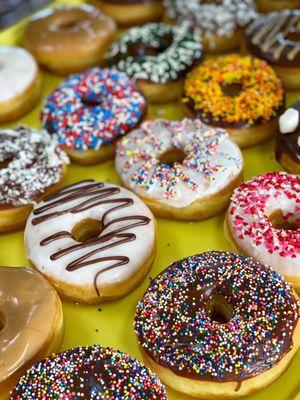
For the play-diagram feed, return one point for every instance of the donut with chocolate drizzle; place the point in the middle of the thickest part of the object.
(102, 231)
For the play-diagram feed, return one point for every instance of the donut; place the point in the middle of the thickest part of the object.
(132, 12)
(89, 111)
(263, 221)
(275, 37)
(31, 166)
(88, 240)
(218, 325)
(288, 139)
(267, 6)
(20, 83)
(241, 94)
(31, 323)
(157, 56)
(219, 22)
(182, 170)
(69, 38)
(92, 372)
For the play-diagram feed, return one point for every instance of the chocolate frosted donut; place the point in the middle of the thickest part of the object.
(288, 138)
(91, 372)
(221, 318)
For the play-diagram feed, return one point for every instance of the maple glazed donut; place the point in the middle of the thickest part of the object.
(20, 83)
(218, 325)
(275, 37)
(183, 170)
(219, 21)
(132, 12)
(157, 56)
(31, 323)
(241, 94)
(89, 111)
(88, 240)
(69, 39)
(288, 139)
(31, 166)
(263, 221)
(266, 6)
(92, 372)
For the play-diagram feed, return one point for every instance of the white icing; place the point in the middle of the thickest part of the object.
(137, 250)
(18, 69)
(212, 161)
(289, 121)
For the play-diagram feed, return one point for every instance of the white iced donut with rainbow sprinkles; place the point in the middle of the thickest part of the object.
(182, 170)
(263, 221)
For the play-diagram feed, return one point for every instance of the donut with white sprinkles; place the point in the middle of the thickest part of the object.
(92, 109)
(218, 325)
(94, 372)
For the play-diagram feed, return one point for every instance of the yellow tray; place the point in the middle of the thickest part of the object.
(111, 324)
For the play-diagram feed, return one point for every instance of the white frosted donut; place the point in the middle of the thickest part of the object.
(264, 220)
(18, 82)
(109, 264)
(209, 162)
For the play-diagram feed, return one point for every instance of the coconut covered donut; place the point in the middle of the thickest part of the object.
(88, 112)
(263, 221)
(288, 139)
(157, 56)
(31, 166)
(69, 38)
(93, 372)
(20, 83)
(88, 240)
(275, 37)
(218, 325)
(183, 170)
(31, 323)
(218, 21)
(241, 94)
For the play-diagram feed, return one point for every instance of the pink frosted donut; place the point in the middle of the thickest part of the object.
(263, 221)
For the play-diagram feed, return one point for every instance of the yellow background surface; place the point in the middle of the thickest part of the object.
(111, 324)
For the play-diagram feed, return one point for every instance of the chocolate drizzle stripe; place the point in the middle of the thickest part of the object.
(100, 194)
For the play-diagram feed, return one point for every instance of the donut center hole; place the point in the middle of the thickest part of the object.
(86, 230)
(171, 157)
(91, 102)
(232, 90)
(69, 25)
(139, 50)
(278, 221)
(293, 37)
(5, 163)
(219, 309)
(2, 321)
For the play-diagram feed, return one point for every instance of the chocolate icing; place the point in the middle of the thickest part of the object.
(275, 38)
(288, 143)
(101, 195)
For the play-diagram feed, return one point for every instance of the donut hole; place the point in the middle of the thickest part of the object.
(91, 102)
(140, 50)
(69, 25)
(232, 90)
(5, 163)
(278, 221)
(219, 309)
(2, 321)
(172, 156)
(87, 229)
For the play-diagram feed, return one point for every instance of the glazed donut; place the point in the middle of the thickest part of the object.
(263, 221)
(218, 325)
(88, 240)
(157, 56)
(90, 111)
(69, 39)
(241, 94)
(31, 323)
(275, 37)
(218, 21)
(20, 83)
(92, 372)
(182, 170)
(266, 6)
(133, 12)
(288, 139)
(31, 166)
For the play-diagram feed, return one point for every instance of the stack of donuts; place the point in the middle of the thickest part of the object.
(216, 324)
